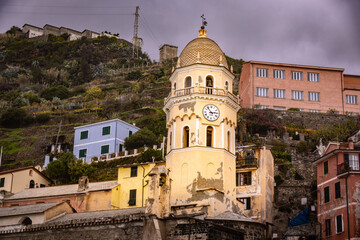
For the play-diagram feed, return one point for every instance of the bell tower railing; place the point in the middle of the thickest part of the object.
(202, 90)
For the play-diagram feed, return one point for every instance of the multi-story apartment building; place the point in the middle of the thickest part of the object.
(309, 88)
(94, 140)
(338, 183)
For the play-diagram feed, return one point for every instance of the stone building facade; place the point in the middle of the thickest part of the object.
(167, 52)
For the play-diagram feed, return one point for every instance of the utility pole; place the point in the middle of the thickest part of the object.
(136, 41)
(1, 151)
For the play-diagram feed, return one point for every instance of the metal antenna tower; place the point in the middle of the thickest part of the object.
(136, 41)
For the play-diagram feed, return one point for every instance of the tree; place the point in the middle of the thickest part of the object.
(58, 91)
(15, 117)
(13, 30)
(150, 155)
(140, 138)
(59, 170)
(93, 93)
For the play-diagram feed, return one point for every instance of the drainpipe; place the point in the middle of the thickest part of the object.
(142, 191)
(12, 181)
(347, 206)
(342, 91)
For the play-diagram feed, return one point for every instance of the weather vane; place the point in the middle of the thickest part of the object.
(204, 23)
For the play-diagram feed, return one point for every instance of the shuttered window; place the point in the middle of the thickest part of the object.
(337, 190)
(314, 96)
(82, 153)
(326, 167)
(261, 72)
(132, 198)
(105, 149)
(262, 92)
(106, 130)
(297, 95)
(326, 194)
(279, 74)
(339, 224)
(313, 77)
(279, 93)
(84, 135)
(296, 75)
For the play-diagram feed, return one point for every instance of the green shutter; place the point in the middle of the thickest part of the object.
(84, 135)
(132, 199)
(2, 182)
(337, 190)
(130, 133)
(106, 130)
(105, 149)
(82, 153)
(339, 224)
(327, 194)
(326, 167)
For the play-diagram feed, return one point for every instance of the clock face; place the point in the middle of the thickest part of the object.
(211, 112)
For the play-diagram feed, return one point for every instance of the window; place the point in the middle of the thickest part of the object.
(353, 161)
(246, 201)
(209, 136)
(105, 149)
(2, 182)
(351, 99)
(261, 107)
(228, 141)
(261, 72)
(106, 130)
(279, 93)
(31, 184)
(339, 224)
(262, 92)
(314, 110)
(297, 95)
(188, 82)
(130, 133)
(82, 153)
(30, 173)
(209, 84)
(133, 171)
(227, 85)
(170, 140)
(85, 134)
(42, 185)
(186, 137)
(132, 198)
(326, 195)
(296, 75)
(326, 167)
(279, 108)
(313, 77)
(337, 190)
(120, 147)
(174, 86)
(328, 227)
(279, 74)
(243, 178)
(314, 96)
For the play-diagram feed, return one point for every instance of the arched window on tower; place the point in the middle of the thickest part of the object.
(227, 86)
(228, 141)
(209, 136)
(174, 86)
(187, 85)
(209, 84)
(170, 141)
(186, 137)
(32, 184)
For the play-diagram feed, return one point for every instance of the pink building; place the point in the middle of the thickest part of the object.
(338, 184)
(309, 88)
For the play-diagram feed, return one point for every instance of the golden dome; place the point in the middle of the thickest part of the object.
(202, 50)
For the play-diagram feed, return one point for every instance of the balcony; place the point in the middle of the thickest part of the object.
(247, 162)
(202, 90)
(345, 168)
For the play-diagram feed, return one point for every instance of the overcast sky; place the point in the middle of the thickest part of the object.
(309, 32)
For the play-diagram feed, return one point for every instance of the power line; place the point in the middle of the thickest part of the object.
(59, 6)
(52, 13)
(148, 29)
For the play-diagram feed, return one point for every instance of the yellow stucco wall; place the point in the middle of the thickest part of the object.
(121, 194)
(261, 190)
(98, 201)
(20, 180)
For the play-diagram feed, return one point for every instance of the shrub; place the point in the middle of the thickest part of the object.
(57, 91)
(278, 179)
(42, 118)
(139, 139)
(133, 75)
(148, 155)
(14, 118)
(33, 98)
(302, 147)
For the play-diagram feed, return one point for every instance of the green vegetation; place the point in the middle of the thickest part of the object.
(143, 137)
(14, 118)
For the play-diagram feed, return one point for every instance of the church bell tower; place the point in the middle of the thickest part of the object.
(201, 117)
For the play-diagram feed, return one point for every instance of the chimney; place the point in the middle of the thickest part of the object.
(351, 144)
(83, 183)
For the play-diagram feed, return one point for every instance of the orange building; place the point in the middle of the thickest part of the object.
(338, 186)
(282, 86)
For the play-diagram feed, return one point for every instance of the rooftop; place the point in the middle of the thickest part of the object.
(61, 190)
(27, 209)
(108, 121)
(296, 65)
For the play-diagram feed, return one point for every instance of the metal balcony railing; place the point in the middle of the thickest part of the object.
(202, 90)
(247, 162)
(344, 168)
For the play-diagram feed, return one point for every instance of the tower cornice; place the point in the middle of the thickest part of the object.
(200, 66)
